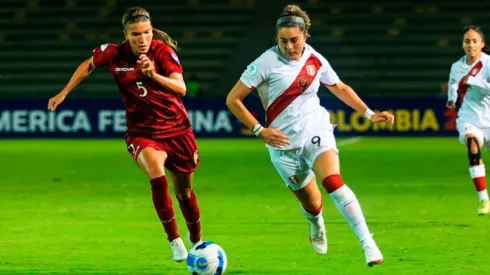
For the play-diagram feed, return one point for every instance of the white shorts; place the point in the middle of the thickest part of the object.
(295, 165)
(465, 128)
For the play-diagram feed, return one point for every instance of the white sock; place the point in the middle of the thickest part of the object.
(483, 195)
(479, 172)
(347, 203)
(314, 220)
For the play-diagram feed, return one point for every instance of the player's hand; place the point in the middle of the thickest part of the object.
(55, 101)
(274, 137)
(383, 117)
(451, 105)
(146, 65)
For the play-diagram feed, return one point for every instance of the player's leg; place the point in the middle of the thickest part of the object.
(472, 137)
(183, 160)
(301, 181)
(151, 158)
(188, 204)
(311, 201)
(327, 167)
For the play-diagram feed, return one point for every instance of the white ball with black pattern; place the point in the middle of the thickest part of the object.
(207, 258)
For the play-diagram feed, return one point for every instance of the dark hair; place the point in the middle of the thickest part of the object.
(137, 14)
(294, 16)
(477, 29)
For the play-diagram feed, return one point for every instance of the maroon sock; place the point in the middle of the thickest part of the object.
(190, 210)
(164, 207)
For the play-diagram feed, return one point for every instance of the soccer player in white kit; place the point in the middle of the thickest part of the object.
(298, 132)
(470, 79)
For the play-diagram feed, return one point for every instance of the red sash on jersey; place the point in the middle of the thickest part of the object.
(463, 88)
(300, 84)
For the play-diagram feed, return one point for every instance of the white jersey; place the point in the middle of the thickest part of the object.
(476, 102)
(288, 91)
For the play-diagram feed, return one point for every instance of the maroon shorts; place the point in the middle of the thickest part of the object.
(182, 151)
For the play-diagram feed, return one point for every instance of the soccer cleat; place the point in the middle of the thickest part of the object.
(318, 239)
(192, 244)
(372, 252)
(484, 208)
(179, 252)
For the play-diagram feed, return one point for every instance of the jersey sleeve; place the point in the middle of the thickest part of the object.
(103, 54)
(328, 76)
(169, 60)
(452, 87)
(255, 73)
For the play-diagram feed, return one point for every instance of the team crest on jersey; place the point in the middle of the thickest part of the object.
(252, 69)
(196, 157)
(310, 69)
(175, 58)
(293, 179)
(474, 71)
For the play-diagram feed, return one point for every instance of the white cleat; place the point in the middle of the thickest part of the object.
(318, 239)
(192, 244)
(372, 252)
(179, 252)
(484, 208)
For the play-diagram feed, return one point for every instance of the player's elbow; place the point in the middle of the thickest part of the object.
(231, 101)
(181, 90)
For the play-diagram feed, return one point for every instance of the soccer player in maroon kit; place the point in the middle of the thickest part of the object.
(149, 77)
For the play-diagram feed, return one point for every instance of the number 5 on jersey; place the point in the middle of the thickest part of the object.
(140, 86)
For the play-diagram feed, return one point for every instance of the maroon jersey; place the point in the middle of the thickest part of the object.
(151, 110)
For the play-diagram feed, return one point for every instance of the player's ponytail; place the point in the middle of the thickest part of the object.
(137, 14)
(163, 36)
(294, 16)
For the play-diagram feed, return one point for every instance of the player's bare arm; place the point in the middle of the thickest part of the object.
(173, 83)
(234, 101)
(82, 72)
(345, 93)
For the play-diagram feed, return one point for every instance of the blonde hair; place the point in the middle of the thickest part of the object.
(137, 14)
(295, 10)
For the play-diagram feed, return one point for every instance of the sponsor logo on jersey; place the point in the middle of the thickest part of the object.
(124, 69)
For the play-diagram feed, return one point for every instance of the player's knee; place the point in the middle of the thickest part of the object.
(313, 207)
(184, 194)
(474, 153)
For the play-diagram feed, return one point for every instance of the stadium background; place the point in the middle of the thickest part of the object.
(61, 199)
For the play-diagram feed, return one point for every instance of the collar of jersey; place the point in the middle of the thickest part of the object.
(306, 52)
(471, 65)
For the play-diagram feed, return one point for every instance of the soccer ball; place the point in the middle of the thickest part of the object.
(207, 258)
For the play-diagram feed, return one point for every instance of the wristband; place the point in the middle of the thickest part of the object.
(368, 114)
(257, 129)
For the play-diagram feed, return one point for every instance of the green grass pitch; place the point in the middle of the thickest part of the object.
(83, 207)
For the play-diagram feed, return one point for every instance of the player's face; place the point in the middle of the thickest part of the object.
(291, 41)
(139, 36)
(473, 43)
